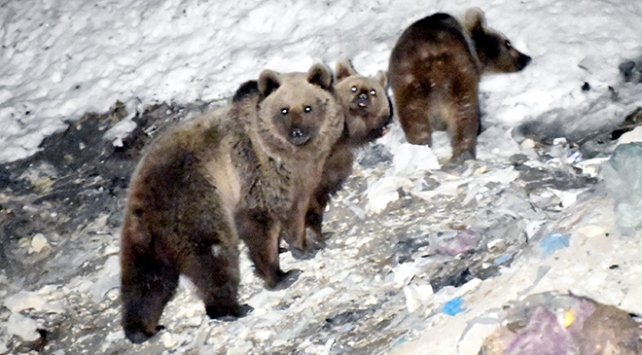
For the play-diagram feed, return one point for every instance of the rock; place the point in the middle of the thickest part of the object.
(632, 136)
(38, 242)
(168, 341)
(24, 327)
(107, 279)
(24, 300)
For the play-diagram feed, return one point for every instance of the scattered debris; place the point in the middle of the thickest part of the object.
(425, 241)
(552, 323)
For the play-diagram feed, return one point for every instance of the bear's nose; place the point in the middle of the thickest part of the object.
(523, 61)
(362, 100)
(298, 137)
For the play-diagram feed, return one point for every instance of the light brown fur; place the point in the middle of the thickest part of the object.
(245, 171)
(368, 113)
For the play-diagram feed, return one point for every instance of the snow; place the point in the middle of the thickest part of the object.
(61, 59)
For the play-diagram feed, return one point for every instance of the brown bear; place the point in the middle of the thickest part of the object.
(368, 112)
(244, 171)
(434, 72)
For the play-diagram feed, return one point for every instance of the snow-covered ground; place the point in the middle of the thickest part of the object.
(60, 59)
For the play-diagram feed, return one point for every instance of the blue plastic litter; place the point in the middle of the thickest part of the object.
(553, 242)
(501, 259)
(453, 306)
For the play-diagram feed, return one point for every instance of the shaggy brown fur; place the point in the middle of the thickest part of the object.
(434, 72)
(368, 113)
(245, 171)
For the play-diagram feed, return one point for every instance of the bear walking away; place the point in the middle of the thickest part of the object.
(434, 72)
(246, 172)
(368, 112)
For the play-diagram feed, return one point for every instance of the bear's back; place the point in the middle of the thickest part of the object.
(174, 177)
(430, 35)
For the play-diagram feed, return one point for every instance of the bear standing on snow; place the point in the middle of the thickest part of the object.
(434, 73)
(245, 171)
(368, 112)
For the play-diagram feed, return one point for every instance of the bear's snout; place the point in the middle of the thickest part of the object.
(298, 136)
(523, 60)
(362, 100)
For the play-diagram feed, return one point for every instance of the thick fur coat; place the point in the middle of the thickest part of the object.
(434, 71)
(245, 172)
(368, 112)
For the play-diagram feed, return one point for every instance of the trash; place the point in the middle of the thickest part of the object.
(623, 178)
(385, 191)
(569, 318)
(553, 242)
(411, 158)
(453, 243)
(502, 259)
(417, 296)
(553, 323)
(453, 307)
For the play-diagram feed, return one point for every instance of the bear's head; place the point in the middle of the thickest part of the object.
(298, 110)
(495, 52)
(365, 103)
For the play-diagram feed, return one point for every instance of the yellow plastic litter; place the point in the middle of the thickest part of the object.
(569, 318)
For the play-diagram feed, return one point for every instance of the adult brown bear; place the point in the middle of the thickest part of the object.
(245, 171)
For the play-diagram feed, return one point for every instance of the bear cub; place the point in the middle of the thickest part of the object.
(245, 171)
(434, 71)
(368, 113)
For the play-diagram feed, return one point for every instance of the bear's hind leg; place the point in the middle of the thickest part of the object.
(463, 128)
(215, 273)
(147, 285)
(413, 117)
(314, 216)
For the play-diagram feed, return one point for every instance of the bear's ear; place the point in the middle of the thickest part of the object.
(382, 78)
(474, 20)
(269, 81)
(247, 89)
(345, 69)
(321, 76)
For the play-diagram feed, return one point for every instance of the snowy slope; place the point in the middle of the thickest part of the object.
(60, 59)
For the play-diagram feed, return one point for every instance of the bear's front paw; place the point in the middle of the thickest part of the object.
(228, 314)
(284, 280)
(313, 248)
(137, 334)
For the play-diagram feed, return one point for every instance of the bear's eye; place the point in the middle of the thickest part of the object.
(284, 111)
(373, 92)
(307, 109)
(508, 44)
(354, 89)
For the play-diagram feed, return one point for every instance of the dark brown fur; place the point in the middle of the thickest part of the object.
(243, 171)
(368, 112)
(434, 73)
